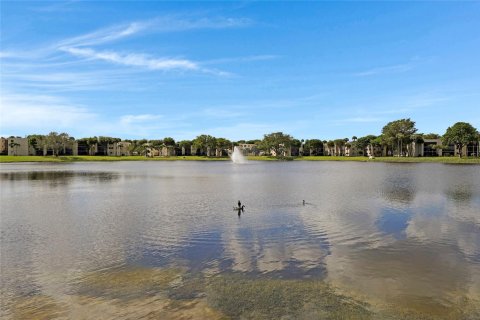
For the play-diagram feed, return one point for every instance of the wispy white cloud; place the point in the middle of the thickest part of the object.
(52, 68)
(133, 59)
(20, 112)
(80, 46)
(384, 70)
(140, 118)
(66, 81)
(159, 24)
(105, 35)
(6, 54)
(177, 23)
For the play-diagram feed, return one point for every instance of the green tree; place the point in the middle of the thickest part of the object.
(399, 133)
(90, 143)
(36, 141)
(143, 148)
(379, 141)
(54, 142)
(185, 145)
(66, 141)
(105, 141)
(330, 145)
(418, 138)
(315, 146)
(168, 141)
(205, 143)
(157, 144)
(223, 143)
(14, 146)
(431, 136)
(460, 134)
(339, 144)
(362, 143)
(277, 142)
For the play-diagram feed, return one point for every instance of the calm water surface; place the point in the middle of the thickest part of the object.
(126, 240)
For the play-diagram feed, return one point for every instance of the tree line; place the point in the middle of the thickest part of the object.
(396, 135)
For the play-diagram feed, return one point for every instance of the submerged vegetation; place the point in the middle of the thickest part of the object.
(239, 297)
(156, 293)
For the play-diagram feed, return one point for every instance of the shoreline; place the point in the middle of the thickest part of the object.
(60, 159)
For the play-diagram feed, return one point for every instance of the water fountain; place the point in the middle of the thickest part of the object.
(237, 156)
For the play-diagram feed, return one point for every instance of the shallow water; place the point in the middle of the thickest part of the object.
(161, 239)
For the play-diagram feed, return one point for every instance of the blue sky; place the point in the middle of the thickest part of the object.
(237, 70)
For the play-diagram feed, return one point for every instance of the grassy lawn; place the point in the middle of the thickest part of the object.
(7, 159)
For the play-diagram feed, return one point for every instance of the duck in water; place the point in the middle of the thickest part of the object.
(240, 207)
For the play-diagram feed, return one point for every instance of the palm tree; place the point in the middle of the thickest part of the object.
(399, 137)
(33, 142)
(158, 145)
(66, 141)
(330, 145)
(55, 141)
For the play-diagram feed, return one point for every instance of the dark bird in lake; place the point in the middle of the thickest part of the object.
(239, 208)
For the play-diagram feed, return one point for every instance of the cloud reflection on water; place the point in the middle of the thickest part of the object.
(386, 232)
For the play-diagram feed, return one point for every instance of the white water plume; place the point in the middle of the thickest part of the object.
(237, 156)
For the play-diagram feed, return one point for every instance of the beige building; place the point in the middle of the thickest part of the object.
(168, 151)
(283, 151)
(119, 149)
(3, 146)
(249, 149)
(19, 147)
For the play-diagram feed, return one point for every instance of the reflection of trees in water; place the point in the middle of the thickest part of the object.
(399, 193)
(58, 177)
(461, 184)
(399, 188)
(460, 193)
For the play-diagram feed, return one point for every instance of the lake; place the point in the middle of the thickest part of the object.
(125, 240)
